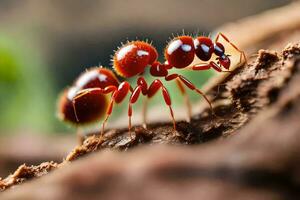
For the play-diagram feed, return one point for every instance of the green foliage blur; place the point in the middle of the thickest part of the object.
(27, 99)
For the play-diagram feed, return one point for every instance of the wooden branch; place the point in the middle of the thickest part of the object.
(261, 160)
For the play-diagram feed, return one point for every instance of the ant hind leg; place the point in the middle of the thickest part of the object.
(154, 87)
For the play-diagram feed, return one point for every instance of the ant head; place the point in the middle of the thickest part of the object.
(132, 58)
(180, 51)
(92, 105)
(224, 61)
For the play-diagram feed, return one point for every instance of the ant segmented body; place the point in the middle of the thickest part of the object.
(131, 60)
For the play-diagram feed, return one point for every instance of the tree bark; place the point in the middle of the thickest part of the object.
(249, 150)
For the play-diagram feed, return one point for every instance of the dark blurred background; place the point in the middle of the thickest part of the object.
(44, 45)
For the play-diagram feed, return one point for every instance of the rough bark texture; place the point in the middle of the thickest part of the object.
(240, 166)
(24, 173)
(256, 155)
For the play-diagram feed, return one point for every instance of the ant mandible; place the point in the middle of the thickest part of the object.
(86, 101)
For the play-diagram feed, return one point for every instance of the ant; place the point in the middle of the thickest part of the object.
(87, 100)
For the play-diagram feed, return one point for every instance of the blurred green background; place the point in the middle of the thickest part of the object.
(44, 45)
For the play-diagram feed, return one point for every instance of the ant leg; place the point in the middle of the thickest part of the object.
(144, 89)
(209, 65)
(202, 66)
(191, 86)
(144, 112)
(133, 99)
(154, 87)
(118, 96)
(108, 113)
(215, 66)
(242, 53)
(206, 66)
(186, 99)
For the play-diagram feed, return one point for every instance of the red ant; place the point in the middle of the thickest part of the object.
(86, 100)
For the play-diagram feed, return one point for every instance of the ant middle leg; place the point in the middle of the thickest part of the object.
(140, 88)
(144, 112)
(217, 68)
(153, 88)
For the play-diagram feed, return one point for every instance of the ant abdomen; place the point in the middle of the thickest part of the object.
(85, 110)
(89, 105)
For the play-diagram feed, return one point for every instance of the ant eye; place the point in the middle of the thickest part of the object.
(204, 48)
(180, 52)
(219, 49)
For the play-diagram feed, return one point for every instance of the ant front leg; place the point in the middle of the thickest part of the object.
(242, 53)
(153, 88)
(206, 66)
